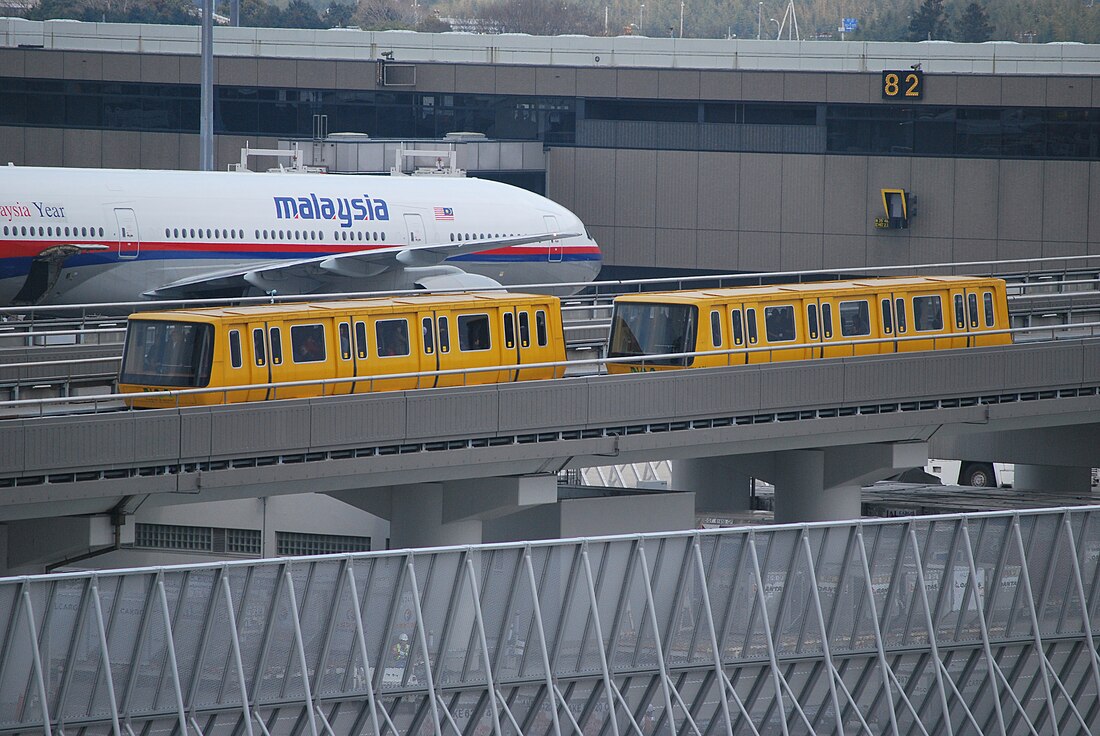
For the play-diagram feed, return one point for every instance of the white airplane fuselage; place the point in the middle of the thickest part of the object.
(114, 235)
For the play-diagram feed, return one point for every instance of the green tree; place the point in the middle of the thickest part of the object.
(929, 23)
(300, 14)
(973, 25)
(338, 15)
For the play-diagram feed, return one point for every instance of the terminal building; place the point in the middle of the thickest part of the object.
(721, 155)
(678, 154)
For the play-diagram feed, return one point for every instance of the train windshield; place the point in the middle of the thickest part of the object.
(169, 354)
(652, 329)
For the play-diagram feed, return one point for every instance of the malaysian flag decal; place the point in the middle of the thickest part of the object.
(444, 213)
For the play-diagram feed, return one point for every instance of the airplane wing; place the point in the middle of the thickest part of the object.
(324, 273)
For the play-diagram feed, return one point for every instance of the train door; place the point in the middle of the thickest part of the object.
(444, 346)
(429, 347)
(828, 308)
(856, 321)
(511, 352)
(887, 322)
(394, 351)
(990, 316)
(753, 318)
(554, 254)
(256, 359)
(739, 338)
(960, 325)
(360, 346)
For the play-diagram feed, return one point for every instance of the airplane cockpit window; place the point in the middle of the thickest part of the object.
(639, 329)
(169, 354)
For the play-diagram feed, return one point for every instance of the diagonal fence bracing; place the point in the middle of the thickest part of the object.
(946, 625)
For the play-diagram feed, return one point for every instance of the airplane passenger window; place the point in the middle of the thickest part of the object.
(473, 332)
(987, 300)
(779, 323)
(392, 337)
(927, 313)
(855, 319)
(509, 332)
(452, 237)
(524, 330)
(899, 308)
(167, 233)
(972, 308)
(716, 328)
(235, 348)
(101, 232)
(307, 343)
(192, 233)
(259, 351)
(383, 235)
(540, 327)
(257, 235)
(887, 320)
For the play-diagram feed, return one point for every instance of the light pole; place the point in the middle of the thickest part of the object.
(641, 19)
(759, 18)
(777, 26)
(681, 18)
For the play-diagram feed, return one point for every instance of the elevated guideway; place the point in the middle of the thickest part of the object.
(857, 417)
(976, 624)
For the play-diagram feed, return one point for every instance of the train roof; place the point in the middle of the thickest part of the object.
(801, 288)
(343, 305)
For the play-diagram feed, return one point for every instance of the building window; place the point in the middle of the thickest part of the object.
(293, 544)
(171, 536)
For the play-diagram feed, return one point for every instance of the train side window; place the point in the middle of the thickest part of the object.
(855, 320)
(235, 348)
(960, 316)
(392, 337)
(827, 320)
(361, 340)
(345, 341)
(444, 336)
(987, 300)
(779, 323)
(750, 319)
(887, 318)
(473, 332)
(509, 332)
(811, 320)
(716, 328)
(738, 327)
(307, 343)
(540, 327)
(899, 309)
(428, 335)
(972, 309)
(259, 351)
(524, 330)
(927, 313)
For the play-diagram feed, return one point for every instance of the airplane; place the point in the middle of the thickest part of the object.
(84, 236)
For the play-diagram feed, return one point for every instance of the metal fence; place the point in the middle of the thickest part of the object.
(938, 625)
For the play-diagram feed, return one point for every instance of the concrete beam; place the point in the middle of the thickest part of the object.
(1077, 445)
(491, 498)
(35, 544)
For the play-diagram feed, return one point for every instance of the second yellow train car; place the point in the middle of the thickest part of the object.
(362, 339)
(810, 320)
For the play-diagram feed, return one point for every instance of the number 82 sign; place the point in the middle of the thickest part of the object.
(903, 85)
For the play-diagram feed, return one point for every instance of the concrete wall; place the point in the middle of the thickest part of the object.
(771, 212)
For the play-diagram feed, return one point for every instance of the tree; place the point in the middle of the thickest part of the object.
(929, 23)
(973, 25)
(541, 17)
(300, 14)
(382, 15)
(338, 15)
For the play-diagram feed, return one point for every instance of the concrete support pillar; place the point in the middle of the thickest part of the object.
(417, 519)
(801, 493)
(718, 483)
(1053, 478)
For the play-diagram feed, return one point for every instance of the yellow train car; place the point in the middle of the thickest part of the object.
(804, 321)
(361, 339)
